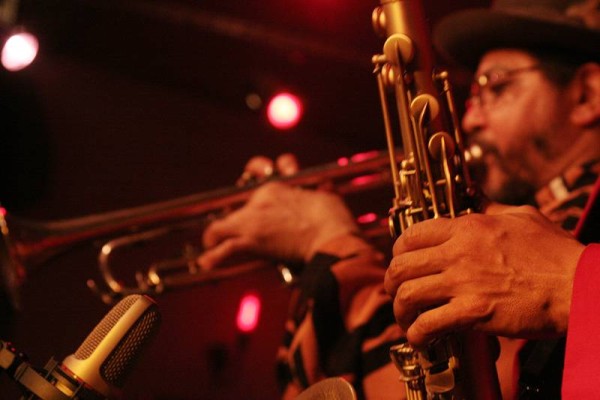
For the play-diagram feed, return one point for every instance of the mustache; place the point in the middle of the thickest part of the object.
(478, 149)
(481, 152)
(485, 155)
(476, 154)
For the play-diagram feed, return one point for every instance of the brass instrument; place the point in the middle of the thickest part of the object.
(431, 181)
(27, 244)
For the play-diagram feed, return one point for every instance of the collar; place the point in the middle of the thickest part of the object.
(565, 196)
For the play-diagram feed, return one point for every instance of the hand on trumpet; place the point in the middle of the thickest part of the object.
(279, 222)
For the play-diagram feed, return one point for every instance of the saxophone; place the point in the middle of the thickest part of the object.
(431, 181)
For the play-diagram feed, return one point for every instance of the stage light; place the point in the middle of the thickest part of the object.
(248, 313)
(284, 110)
(19, 51)
(367, 218)
(343, 161)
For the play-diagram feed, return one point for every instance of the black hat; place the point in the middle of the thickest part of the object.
(568, 26)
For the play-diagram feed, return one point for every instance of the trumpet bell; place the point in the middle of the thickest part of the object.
(12, 273)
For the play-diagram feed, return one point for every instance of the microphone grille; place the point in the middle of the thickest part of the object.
(335, 388)
(86, 349)
(116, 367)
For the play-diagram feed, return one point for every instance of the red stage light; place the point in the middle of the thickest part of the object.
(248, 313)
(343, 161)
(284, 111)
(367, 218)
(19, 51)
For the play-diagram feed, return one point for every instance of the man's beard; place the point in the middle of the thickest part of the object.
(513, 190)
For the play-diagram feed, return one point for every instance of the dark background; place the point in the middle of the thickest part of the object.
(137, 101)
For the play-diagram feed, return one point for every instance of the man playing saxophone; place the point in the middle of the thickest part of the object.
(534, 113)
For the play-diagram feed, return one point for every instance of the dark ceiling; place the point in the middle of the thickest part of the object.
(121, 85)
(136, 101)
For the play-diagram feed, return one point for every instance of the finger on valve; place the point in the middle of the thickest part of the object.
(287, 164)
(261, 168)
(257, 169)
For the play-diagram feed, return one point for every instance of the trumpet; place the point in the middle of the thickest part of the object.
(26, 244)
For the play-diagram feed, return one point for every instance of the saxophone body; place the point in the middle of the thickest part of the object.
(431, 181)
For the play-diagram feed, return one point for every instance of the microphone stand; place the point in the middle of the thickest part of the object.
(44, 384)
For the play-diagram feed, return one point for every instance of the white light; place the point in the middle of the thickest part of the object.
(284, 111)
(19, 51)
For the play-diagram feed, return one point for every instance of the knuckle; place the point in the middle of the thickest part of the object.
(478, 309)
(423, 325)
(472, 223)
(395, 272)
(389, 283)
(405, 240)
(420, 330)
(405, 293)
(413, 232)
(401, 314)
(395, 275)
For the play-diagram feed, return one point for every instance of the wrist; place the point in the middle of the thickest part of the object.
(340, 245)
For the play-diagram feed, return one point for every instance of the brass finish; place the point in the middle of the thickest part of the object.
(431, 181)
(27, 244)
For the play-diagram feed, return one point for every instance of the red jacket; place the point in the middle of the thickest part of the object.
(582, 359)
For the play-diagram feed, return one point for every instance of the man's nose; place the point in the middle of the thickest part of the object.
(473, 119)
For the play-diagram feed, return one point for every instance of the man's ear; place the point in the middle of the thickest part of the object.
(587, 110)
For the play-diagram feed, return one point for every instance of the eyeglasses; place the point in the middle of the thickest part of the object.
(487, 88)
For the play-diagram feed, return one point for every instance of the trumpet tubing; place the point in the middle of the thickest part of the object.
(431, 181)
(26, 244)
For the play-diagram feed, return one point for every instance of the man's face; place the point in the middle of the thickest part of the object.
(519, 119)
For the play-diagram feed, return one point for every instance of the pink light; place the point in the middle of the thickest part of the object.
(367, 218)
(284, 111)
(343, 161)
(248, 313)
(366, 155)
(3, 212)
(19, 51)
(365, 180)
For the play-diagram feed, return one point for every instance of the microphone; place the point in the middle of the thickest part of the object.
(100, 366)
(335, 388)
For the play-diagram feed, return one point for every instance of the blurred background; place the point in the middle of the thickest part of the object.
(133, 102)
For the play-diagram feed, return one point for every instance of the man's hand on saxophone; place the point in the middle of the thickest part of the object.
(508, 272)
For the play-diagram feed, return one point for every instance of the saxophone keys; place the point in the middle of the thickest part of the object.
(441, 146)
